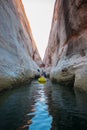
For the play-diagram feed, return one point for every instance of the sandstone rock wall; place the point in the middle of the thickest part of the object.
(17, 47)
(67, 46)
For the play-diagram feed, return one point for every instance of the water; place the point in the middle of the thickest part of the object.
(43, 107)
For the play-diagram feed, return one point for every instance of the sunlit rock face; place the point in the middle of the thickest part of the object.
(18, 52)
(67, 46)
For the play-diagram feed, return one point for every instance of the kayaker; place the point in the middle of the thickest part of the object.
(43, 73)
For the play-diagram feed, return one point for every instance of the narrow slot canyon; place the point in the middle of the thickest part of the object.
(59, 102)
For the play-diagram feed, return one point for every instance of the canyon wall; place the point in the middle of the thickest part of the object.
(19, 57)
(67, 45)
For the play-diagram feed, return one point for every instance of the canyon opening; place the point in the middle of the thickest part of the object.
(48, 94)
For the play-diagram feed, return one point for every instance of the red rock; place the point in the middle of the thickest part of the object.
(18, 53)
(67, 45)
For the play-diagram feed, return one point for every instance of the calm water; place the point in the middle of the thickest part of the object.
(43, 107)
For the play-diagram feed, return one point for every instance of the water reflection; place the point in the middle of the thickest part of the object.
(66, 107)
(43, 107)
(41, 117)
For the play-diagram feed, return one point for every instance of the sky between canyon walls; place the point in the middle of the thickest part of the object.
(40, 13)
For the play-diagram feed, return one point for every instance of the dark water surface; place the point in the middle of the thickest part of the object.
(43, 107)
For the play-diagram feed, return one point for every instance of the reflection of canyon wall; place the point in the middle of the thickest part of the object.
(67, 46)
(17, 46)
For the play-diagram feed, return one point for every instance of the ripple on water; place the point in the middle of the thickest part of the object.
(41, 119)
(40, 107)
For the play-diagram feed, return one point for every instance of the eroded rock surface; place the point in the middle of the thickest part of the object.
(18, 52)
(64, 78)
(67, 46)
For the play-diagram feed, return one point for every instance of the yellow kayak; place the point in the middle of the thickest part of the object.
(42, 79)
